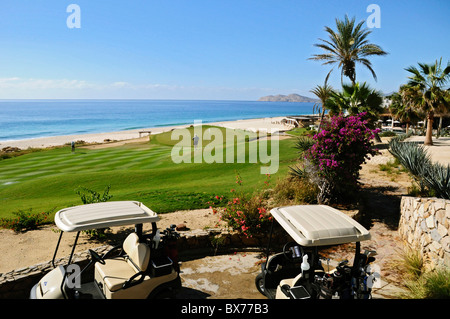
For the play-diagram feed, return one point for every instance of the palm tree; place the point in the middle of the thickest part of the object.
(355, 99)
(323, 93)
(402, 110)
(346, 47)
(430, 80)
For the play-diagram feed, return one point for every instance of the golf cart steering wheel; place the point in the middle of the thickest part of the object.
(287, 252)
(96, 257)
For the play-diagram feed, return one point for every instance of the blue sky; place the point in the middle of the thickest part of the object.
(195, 49)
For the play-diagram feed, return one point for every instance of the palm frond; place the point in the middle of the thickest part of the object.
(347, 45)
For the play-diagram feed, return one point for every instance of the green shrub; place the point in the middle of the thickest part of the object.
(431, 285)
(294, 191)
(89, 196)
(387, 134)
(25, 220)
(392, 167)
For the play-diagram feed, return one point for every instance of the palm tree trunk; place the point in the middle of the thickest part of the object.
(429, 134)
(321, 119)
(407, 128)
(439, 127)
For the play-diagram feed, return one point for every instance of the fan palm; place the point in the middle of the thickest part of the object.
(430, 80)
(402, 110)
(355, 99)
(346, 47)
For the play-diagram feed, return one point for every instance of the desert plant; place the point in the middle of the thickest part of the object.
(417, 161)
(411, 155)
(437, 178)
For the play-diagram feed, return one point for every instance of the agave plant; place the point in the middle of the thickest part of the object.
(412, 156)
(417, 161)
(437, 177)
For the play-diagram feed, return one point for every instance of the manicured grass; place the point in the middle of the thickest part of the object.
(301, 131)
(144, 172)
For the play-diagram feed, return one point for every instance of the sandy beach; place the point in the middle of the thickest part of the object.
(270, 125)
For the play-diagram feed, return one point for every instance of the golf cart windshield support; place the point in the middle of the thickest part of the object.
(56, 250)
(270, 240)
(57, 246)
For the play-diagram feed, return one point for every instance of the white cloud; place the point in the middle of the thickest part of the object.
(32, 88)
(44, 84)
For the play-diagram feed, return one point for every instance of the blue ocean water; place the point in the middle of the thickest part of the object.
(24, 119)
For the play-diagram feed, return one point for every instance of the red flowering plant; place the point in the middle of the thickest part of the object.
(244, 213)
(25, 220)
(334, 159)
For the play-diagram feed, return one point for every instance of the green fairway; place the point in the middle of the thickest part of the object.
(139, 171)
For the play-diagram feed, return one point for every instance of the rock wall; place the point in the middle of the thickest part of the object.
(424, 225)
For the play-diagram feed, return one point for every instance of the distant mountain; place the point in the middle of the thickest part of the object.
(287, 98)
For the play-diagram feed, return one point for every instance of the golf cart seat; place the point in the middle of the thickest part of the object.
(290, 282)
(114, 273)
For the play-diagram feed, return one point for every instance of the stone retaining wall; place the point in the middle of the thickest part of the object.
(17, 284)
(424, 225)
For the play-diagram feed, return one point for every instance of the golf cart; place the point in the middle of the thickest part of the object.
(144, 266)
(297, 271)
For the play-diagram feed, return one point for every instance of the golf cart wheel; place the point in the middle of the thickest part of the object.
(259, 282)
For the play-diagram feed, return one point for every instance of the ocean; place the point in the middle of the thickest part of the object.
(25, 119)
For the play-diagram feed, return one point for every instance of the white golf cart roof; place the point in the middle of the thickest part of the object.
(102, 215)
(318, 225)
